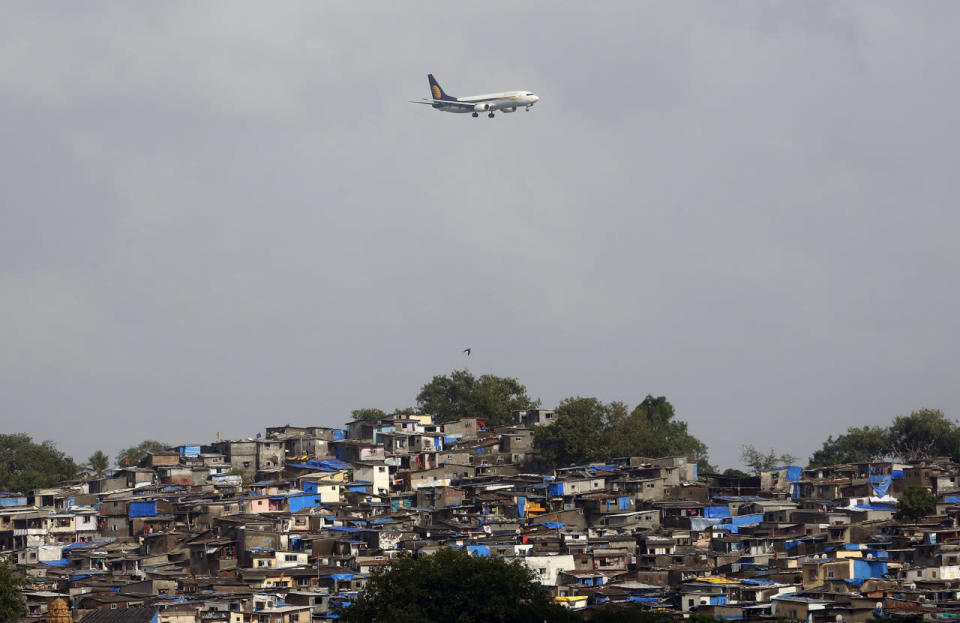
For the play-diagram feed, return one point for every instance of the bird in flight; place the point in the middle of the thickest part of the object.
(467, 350)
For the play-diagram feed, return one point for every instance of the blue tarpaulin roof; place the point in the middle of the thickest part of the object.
(478, 550)
(324, 465)
(556, 525)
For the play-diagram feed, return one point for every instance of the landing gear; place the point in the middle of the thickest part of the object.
(490, 115)
(475, 115)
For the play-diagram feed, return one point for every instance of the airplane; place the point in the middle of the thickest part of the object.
(509, 101)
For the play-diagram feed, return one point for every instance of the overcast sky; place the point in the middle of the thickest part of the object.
(218, 217)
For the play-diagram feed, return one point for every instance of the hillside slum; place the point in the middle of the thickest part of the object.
(287, 526)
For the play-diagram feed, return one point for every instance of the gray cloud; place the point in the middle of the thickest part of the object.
(220, 218)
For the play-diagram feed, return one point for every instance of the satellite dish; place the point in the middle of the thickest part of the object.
(838, 618)
(912, 586)
(879, 605)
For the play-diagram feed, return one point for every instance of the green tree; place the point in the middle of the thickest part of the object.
(924, 433)
(11, 597)
(586, 429)
(368, 414)
(857, 445)
(916, 503)
(494, 399)
(133, 455)
(453, 586)
(652, 430)
(25, 465)
(630, 613)
(735, 473)
(577, 432)
(98, 462)
(759, 461)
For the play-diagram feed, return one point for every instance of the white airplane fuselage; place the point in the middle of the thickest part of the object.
(508, 101)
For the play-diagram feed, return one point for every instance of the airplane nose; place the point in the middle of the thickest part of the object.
(536, 99)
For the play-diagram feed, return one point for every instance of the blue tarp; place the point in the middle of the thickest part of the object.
(757, 582)
(339, 434)
(556, 525)
(745, 520)
(478, 550)
(716, 512)
(299, 502)
(880, 484)
(952, 499)
(143, 509)
(341, 576)
(190, 450)
(555, 489)
(324, 465)
(794, 473)
(72, 545)
(869, 568)
(56, 563)
(521, 506)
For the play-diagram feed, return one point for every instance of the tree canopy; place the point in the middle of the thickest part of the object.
(98, 462)
(368, 414)
(494, 399)
(11, 597)
(586, 429)
(452, 585)
(857, 445)
(133, 455)
(758, 461)
(916, 503)
(923, 433)
(25, 465)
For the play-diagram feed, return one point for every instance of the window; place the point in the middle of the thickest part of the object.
(290, 557)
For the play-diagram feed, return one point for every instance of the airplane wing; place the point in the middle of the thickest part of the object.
(444, 102)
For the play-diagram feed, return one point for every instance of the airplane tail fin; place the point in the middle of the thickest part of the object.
(436, 91)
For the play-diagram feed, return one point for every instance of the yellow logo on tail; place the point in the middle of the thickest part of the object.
(436, 92)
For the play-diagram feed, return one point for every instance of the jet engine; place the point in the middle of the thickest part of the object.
(482, 106)
(511, 109)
